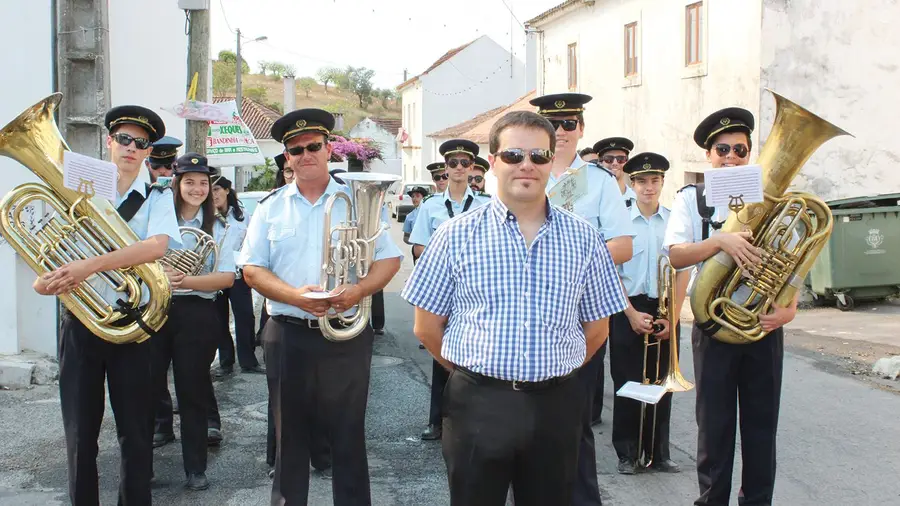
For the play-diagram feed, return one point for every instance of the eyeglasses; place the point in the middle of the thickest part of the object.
(514, 156)
(465, 162)
(312, 148)
(617, 158)
(740, 150)
(288, 173)
(125, 140)
(567, 124)
(439, 177)
(476, 179)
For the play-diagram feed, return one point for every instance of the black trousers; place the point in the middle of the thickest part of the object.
(314, 380)
(378, 310)
(319, 447)
(597, 409)
(241, 301)
(85, 363)
(495, 436)
(187, 342)
(586, 487)
(439, 377)
(263, 318)
(163, 408)
(732, 377)
(626, 363)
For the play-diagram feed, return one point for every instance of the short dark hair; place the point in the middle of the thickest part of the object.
(586, 151)
(526, 119)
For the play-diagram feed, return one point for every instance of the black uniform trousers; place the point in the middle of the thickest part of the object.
(241, 300)
(496, 436)
(319, 448)
(439, 377)
(314, 380)
(731, 377)
(597, 409)
(587, 488)
(85, 361)
(187, 342)
(378, 310)
(626, 363)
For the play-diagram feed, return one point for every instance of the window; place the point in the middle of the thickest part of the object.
(693, 20)
(573, 67)
(631, 59)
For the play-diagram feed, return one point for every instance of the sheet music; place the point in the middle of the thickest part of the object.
(572, 187)
(650, 394)
(89, 176)
(723, 184)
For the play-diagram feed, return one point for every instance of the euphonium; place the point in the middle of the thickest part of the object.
(789, 230)
(354, 246)
(82, 227)
(190, 261)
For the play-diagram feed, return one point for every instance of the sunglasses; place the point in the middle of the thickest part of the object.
(617, 158)
(476, 179)
(456, 161)
(443, 176)
(312, 148)
(125, 140)
(514, 156)
(567, 124)
(740, 150)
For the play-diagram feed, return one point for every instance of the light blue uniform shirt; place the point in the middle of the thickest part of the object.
(629, 194)
(434, 213)
(686, 226)
(224, 239)
(285, 237)
(640, 274)
(156, 216)
(238, 231)
(603, 206)
(411, 220)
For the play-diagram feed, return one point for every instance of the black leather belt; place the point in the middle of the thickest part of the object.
(518, 386)
(643, 299)
(307, 323)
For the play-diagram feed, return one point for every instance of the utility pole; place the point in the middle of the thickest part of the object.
(198, 62)
(238, 70)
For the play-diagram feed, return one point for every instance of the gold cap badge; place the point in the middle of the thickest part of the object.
(725, 121)
(195, 161)
(560, 104)
(647, 166)
(301, 123)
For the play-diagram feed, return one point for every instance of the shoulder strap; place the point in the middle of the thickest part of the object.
(604, 169)
(130, 206)
(706, 212)
(628, 203)
(273, 192)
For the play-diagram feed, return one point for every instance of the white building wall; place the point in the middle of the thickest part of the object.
(386, 140)
(411, 151)
(839, 60)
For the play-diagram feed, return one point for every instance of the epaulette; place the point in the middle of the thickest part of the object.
(483, 194)
(273, 192)
(155, 186)
(429, 196)
(686, 187)
(604, 169)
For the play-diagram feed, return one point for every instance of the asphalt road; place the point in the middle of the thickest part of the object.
(837, 439)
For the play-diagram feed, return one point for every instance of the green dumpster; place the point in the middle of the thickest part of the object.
(861, 260)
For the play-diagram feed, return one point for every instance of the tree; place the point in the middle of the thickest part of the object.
(227, 56)
(342, 80)
(263, 66)
(223, 77)
(327, 75)
(257, 93)
(264, 179)
(306, 84)
(277, 69)
(386, 95)
(361, 85)
(290, 70)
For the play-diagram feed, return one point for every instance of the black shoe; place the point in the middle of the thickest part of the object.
(596, 421)
(162, 439)
(220, 372)
(421, 346)
(213, 437)
(197, 482)
(626, 466)
(326, 473)
(432, 433)
(666, 466)
(378, 332)
(174, 407)
(271, 473)
(257, 369)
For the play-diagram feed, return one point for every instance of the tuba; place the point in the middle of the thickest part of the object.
(80, 227)
(354, 246)
(674, 380)
(789, 230)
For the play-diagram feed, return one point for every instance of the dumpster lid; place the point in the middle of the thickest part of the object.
(884, 200)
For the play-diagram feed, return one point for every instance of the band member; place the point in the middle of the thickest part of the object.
(603, 208)
(311, 378)
(626, 342)
(417, 194)
(439, 175)
(161, 161)
(588, 155)
(284, 175)
(513, 297)
(729, 375)
(86, 360)
(612, 154)
(459, 157)
(476, 175)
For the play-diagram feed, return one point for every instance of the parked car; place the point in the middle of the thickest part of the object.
(401, 204)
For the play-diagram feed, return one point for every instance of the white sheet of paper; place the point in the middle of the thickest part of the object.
(650, 394)
(569, 189)
(89, 176)
(723, 184)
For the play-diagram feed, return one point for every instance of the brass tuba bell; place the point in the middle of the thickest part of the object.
(82, 227)
(789, 230)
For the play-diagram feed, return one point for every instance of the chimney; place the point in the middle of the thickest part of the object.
(290, 97)
(531, 59)
(404, 75)
(339, 121)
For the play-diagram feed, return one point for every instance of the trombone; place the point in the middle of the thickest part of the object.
(674, 380)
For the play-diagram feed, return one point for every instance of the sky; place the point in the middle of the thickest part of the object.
(385, 35)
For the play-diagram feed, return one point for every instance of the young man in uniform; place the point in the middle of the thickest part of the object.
(588, 154)
(312, 379)
(626, 342)
(161, 161)
(612, 154)
(417, 194)
(459, 157)
(728, 375)
(604, 209)
(476, 175)
(439, 175)
(86, 360)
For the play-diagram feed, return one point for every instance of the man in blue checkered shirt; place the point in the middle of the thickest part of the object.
(513, 298)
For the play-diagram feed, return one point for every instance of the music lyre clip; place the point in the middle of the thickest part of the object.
(86, 187)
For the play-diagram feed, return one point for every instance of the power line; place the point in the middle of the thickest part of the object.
(511, 13)
(225, 17)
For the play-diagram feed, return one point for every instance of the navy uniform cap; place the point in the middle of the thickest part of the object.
(731, 118)
(613, 143)
(561, 104)
(454, 146)
(418, 189)
(436, 166)
(646, 163)
(192, 162)
(481, 162)
(165, 150)
(279, 161)
(139, 116)
(302, 121)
